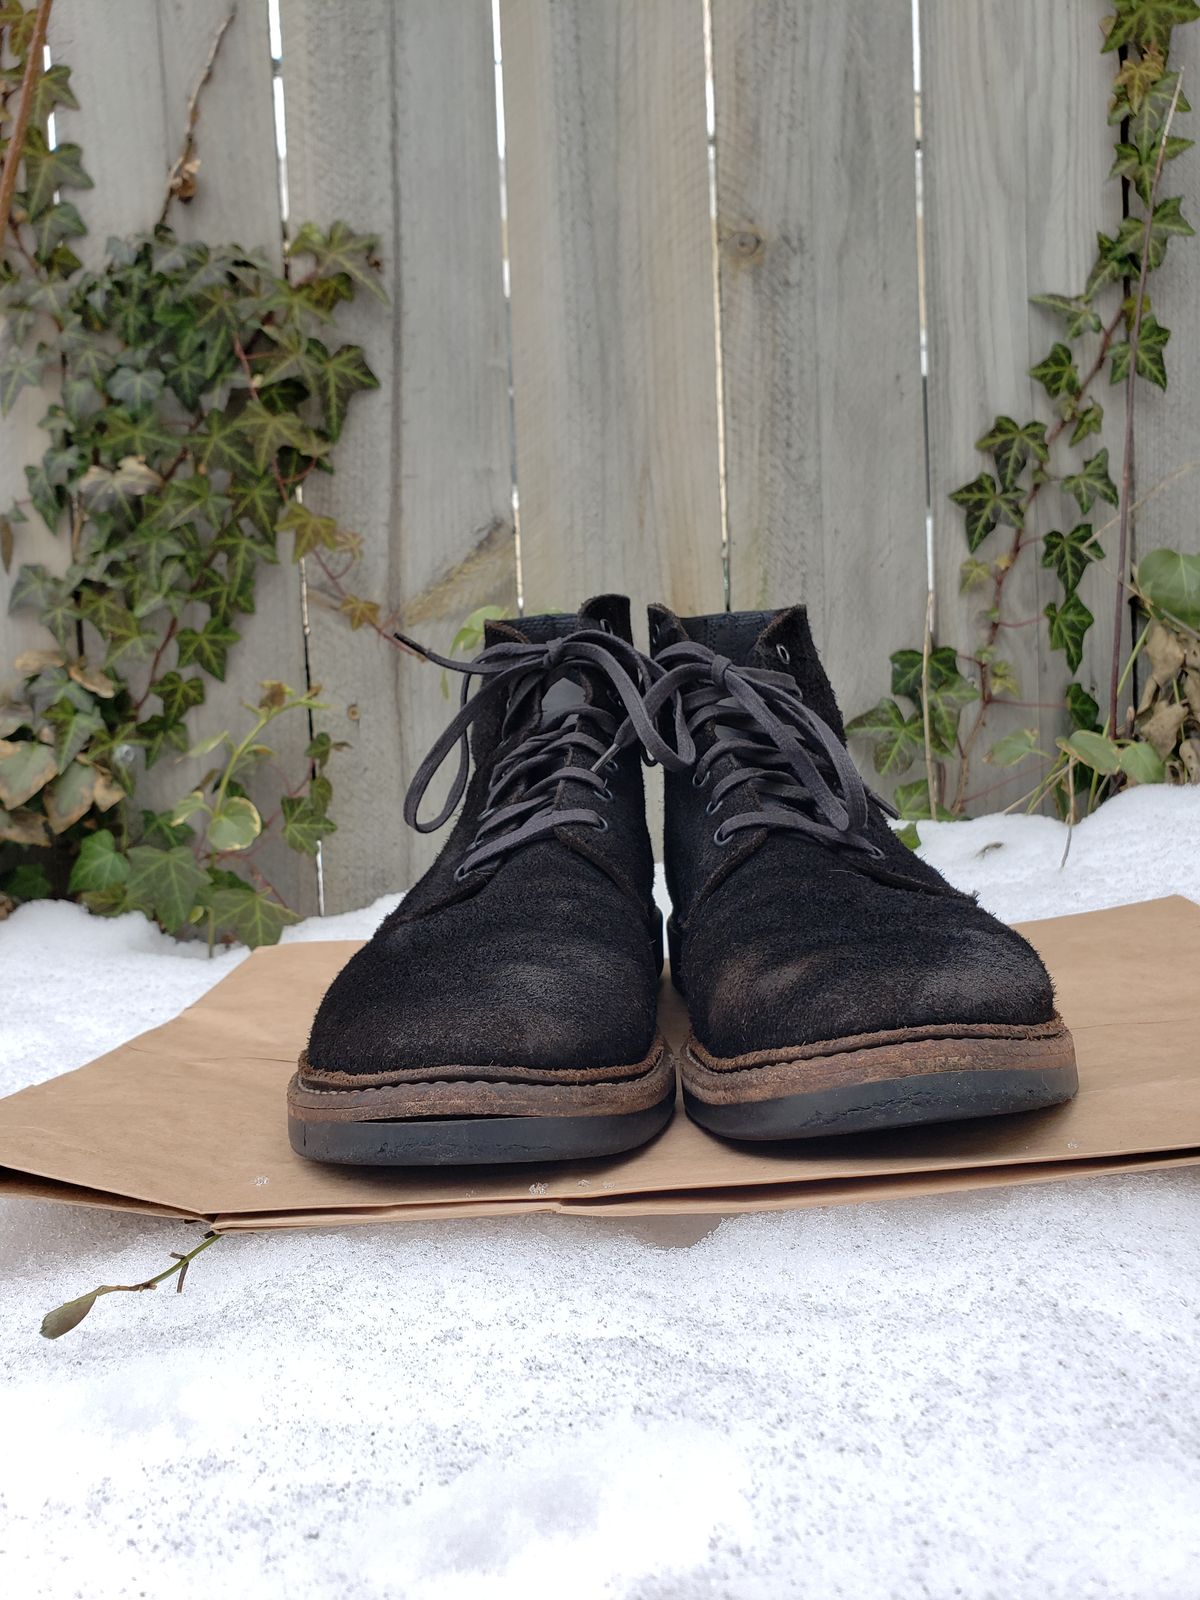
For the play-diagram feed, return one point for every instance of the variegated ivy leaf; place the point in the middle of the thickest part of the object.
(985, 504)
(1057, 373)
(1148, 23)
(1092, 483)
(1079, 316)
(1011, 444)
(1090, 420)
(1068, 625)
(1151, 364)
(1068, 554)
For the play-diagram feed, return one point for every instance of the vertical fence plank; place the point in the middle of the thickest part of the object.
(391, 126)
(614, 363)
(1016, 154)
(1167, 425)
(816, 229)
(134, 69)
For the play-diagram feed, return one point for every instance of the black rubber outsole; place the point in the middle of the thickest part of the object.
(476, 1141)
(890, 1103)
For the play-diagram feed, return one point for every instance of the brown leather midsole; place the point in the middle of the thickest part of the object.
(485, 1091)
(872, 1058)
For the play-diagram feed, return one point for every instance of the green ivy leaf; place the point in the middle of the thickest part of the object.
(339, 377)
(49, 170)
(1057, 373)
(99, 865)
(1151, 364)
(118, 491)
(1069, 554)
(27, 881)
(896, 738)
(1011, 444)
(311, 531)
(908, 836)
(165, 883)
(136, 387)
(304, 824)
(19, 369)
(1092, 482)
(1082, 708)
(1170, 582)
(208, 648)
(223, 445)
(1068, 625)
(252, 917)
(341, 253)
(270, 431)
(985, 504)
(178, 694)
(912, 802)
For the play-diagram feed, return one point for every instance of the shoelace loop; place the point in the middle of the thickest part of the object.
(521, 802)
(797, 766)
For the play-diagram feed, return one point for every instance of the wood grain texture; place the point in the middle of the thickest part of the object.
(816, 227)
(1167, 425)
(1014, 101)
(134, 68)
(614, 364)
(391, 126)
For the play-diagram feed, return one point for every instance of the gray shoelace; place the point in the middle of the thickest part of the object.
(540, 748)
(794, 761)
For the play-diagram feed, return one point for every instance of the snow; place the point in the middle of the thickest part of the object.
(989, 1395)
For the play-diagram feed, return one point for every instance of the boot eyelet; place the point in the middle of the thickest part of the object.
(712, 808)
(605, 793)
(601, 824)
(461, 872)
(699, 782)
(720, 837)
(488, 812)
(611, 766)
(782, 651)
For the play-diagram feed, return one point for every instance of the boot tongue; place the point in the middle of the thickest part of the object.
(532, 630)
(786, 644)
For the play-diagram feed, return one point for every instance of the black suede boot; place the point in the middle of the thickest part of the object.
(505, 1011)
(835, 982)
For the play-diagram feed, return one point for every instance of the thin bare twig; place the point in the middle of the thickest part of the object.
(1131, 375)
(12, 156)
(181, 180)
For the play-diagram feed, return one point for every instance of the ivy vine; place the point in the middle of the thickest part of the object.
(195, 390)
(942, 696)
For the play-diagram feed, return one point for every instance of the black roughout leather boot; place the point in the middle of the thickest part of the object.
(835, 982)
(505, 1011)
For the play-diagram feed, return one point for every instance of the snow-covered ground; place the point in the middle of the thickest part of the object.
(994, 1395)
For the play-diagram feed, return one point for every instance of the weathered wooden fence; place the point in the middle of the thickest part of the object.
(712, 336)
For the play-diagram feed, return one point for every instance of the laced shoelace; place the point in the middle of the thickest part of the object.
(544, 745)
(794, 761)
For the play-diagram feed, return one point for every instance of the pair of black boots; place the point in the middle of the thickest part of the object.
(506, 1010)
